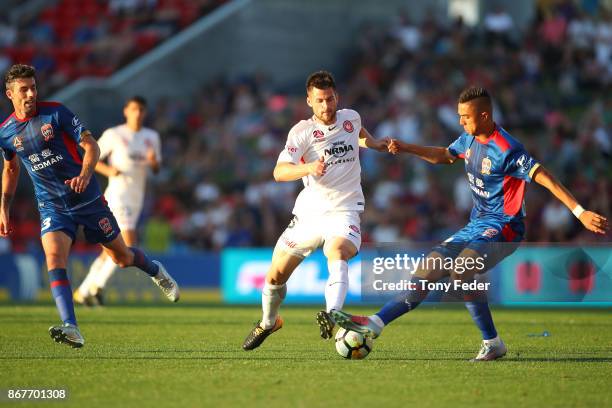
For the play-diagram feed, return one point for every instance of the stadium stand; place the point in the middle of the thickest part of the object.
(551, 83)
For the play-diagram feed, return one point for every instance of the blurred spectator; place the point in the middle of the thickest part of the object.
(557, 220)
(8, 33)
(499, 26)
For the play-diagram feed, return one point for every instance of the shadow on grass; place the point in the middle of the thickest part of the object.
(311, 358)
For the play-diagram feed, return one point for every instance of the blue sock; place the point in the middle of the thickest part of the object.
(402, 304)
(62, 293)
(142, 262)
(481, 314)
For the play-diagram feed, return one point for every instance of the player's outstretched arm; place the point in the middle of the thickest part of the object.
(10, 177)
(286, 171)
(90, 159)
(431, 154)
(367, 141)
(591, 220)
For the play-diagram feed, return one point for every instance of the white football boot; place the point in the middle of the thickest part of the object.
(491, 350)
(166, 283)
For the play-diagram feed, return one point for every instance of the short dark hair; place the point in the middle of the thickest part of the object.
(137, 99)
(473, 92)
(19, 71)
(320, 80)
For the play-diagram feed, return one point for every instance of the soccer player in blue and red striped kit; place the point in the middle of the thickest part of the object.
(45, 136)
(497, 168)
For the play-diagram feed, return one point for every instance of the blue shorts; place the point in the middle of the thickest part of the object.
(492, 239)
(99, 224)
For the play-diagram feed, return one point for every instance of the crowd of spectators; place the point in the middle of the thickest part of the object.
(551, 85)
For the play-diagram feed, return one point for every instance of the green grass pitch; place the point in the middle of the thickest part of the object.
(190, 355)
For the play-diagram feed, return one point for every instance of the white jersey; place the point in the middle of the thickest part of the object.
(127, 151)
(339, 189)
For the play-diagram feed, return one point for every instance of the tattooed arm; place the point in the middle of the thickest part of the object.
(10, 176)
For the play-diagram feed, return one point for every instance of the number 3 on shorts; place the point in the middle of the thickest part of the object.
(46, 223)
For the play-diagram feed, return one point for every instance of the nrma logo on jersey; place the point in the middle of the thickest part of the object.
(243, 273)
(339, 149)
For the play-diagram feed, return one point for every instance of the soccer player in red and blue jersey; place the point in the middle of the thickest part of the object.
(497, 168)
(45, 136)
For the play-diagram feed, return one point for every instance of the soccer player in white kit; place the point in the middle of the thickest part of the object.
(131, 150)
(324, 152)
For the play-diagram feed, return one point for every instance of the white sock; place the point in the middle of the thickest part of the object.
(271, 298)
(493, 342)
(377, 320)
(337, 285)
(89, 279)
(104, 273)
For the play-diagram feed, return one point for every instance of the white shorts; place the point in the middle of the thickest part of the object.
(305, 234)
(127, 215)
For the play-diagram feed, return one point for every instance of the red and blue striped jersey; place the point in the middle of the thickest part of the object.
(47, 143)
(497, 171)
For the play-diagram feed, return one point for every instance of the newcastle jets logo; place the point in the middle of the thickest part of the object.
(348, 126)
(486, 166)
(47, 131)
(489, 233)
(468, 153)
(18, 143)
(106, 226)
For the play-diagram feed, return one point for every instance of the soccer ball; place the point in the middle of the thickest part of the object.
(352, 345)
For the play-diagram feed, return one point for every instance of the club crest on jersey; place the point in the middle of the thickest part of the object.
(47, 131)
(105, 226)
(18, 143)
(317, 134)
(348, 126)
(485, 167)
(489, 233)
(355, 228)
(468, 153)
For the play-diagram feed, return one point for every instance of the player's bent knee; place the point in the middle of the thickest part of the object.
(340, 253)
(283, 265)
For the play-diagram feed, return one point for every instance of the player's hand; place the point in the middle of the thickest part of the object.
(393, 146)
(78, 183)
(5, 224)
(317, 168)
(114, 172)
(151, 157)
(382, 145)
(594, 222)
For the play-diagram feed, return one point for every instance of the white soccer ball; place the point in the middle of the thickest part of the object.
(352, 345)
